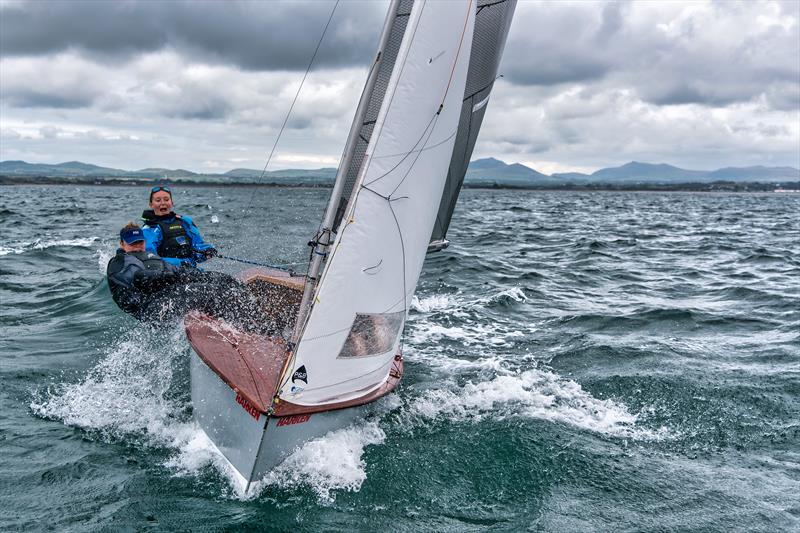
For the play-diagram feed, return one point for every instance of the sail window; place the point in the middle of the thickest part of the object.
(372, 334)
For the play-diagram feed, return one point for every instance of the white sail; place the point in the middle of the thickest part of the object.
(353, 330)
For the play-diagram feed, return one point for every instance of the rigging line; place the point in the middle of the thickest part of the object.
(403, 254)
(431, 147)
(435, 116)
(427, 127)
(297, 94)
(491, 4)
(488, 85)
(458, 53)
(419, 154)
(250, 262)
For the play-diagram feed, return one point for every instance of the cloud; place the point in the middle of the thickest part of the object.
(711, 53)
(252, 35)
(66, 82)
(207, 85)
(584, 126)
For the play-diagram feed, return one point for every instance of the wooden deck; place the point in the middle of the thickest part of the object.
(250, 364)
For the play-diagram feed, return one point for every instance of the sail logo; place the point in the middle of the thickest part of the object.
(291, 420)
(300, 375)
(247, 406)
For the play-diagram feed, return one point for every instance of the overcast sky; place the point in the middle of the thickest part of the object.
(205, 85)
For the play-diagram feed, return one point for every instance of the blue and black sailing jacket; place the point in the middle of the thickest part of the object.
(175, 238)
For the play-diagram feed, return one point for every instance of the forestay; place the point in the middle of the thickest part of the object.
(492, 22)
(353, 330)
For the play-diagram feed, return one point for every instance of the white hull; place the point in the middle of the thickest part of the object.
(252, 442)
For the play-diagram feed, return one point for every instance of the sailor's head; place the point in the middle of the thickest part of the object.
(161, 200)
(131, 238)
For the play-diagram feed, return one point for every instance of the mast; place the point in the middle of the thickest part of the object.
(323, 239)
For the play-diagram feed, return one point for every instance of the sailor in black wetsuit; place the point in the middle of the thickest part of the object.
(155, 291)
(175, 238)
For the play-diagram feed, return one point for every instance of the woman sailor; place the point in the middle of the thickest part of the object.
(173, 237)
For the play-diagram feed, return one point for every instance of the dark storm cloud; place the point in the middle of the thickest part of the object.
(202, 111)
(712, 54)
(34, 98)
(551, 46)
(251, 35)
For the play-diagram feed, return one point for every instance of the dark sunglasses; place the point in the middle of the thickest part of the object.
(160, 188)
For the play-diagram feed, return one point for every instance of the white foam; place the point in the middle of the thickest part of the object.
(459, 306)
(195, 452)
(103, 256)
(332, 462)
(214, 219)
(83, 243)
(515, 293)
(427, 332)
(437, 302)
(39, 244)
(533, 393)
(126, 396)
(126, 393)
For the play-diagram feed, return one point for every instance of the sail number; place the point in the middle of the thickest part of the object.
(247, 406)
(289, 420)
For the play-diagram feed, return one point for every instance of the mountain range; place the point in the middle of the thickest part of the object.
(481, 172)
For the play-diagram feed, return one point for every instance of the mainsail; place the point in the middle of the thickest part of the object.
(492, 21)
(349, 340)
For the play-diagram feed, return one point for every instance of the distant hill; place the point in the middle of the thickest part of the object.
(316, 176)
(243, 173)
(747, 173)
(165, 173)
(491, 171)
(488, 172)
(636, 171)
(70, 168)
(323, 173)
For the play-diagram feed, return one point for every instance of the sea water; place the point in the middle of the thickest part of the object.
(574, 362)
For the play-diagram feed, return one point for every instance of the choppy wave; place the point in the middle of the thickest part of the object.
(332, 462)
(536, 394)
(656, 332)
(128, 393)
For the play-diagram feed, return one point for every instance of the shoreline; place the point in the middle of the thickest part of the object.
(717, 186)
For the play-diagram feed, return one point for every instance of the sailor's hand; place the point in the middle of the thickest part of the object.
(208, 253)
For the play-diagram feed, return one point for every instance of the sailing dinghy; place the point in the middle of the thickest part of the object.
(258, 397)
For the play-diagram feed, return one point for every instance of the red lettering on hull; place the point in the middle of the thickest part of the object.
(247, 406)
(294, 419)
